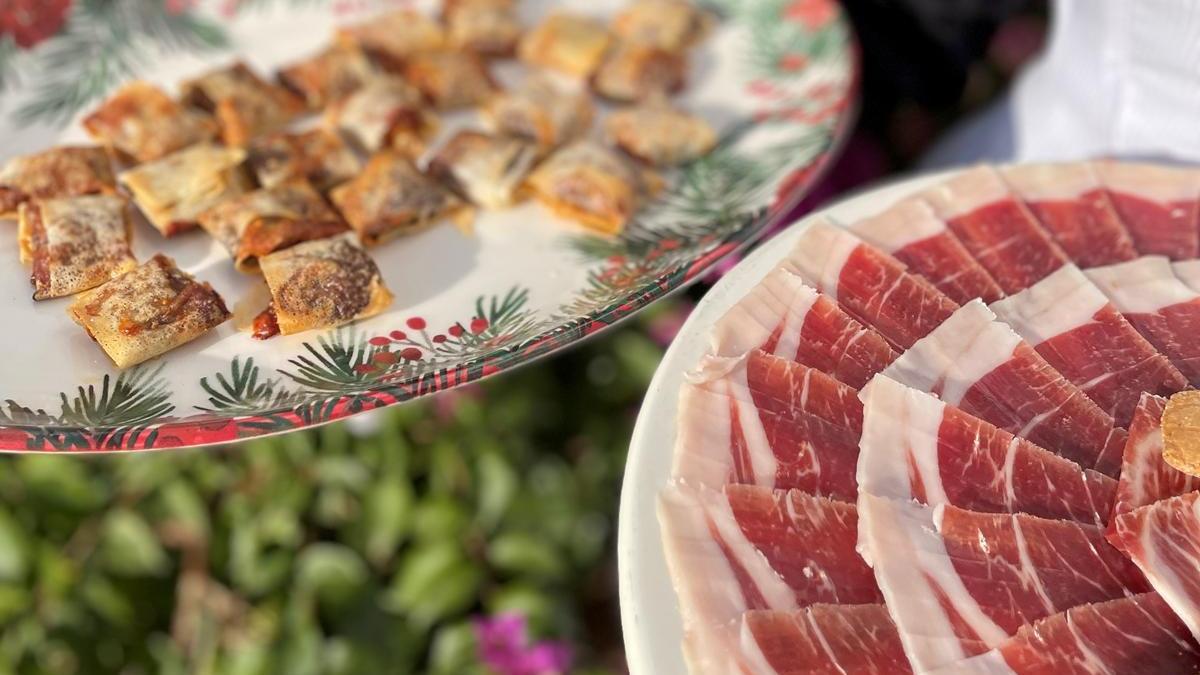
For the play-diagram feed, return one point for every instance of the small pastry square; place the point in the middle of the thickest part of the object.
(171, 192)
(57, 172)
(541, 111)
(74, 243)
(148, 311)
(450, 79)
(483, 168)
(243, 104)
(329, 75)
(393, 37)
(141, 122)
(484, 28)
(318, 155)
(591, 184)
(567, 43)
(257, 223)
(659, 134)
(673, 25)
(385, 112)
(633, 72)
(320, 284)
(391, 197)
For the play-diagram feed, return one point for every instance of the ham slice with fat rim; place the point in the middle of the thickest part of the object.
(1160, 206)
(980, 365)
(996, 228)
(1071, 204)
(1138, 634)
(1188, 272)
(872, 286)
(913, 233)
(958, 583)
(1160, 306)
(763, 420)
(915, 446)
(1079, 332)
(822, 640)
(1145, 476)
(747, 548)
(784, 317)
(1163, 538)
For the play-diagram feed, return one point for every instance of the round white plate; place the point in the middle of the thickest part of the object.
(777, 78)
(649, 608)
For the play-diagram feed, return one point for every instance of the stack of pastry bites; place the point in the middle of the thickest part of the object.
(297, 203)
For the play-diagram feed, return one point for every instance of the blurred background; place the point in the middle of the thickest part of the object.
(472, 532)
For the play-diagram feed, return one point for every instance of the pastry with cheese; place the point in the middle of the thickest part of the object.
(385, 112)
(673, 25)
(391, 197)
(141, 122)
(450, 79)
(243, 104)
(660, 134)
(171, 192)
(541, 111)
(258, 223)
(591, 184)
(148, 311)
(393, 37)
(486, 28)
(74, 243)
(329, 75)
(483, 168)
(57, 172)
(568, 43)
(320, 284)
(633, 71)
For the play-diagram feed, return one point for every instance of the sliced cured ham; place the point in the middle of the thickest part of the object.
(1073, 206)
(996, 228)
(763, 420)
(1160, 306)
(1163, 538)
(784, 317)
(1188, 272)
(872, 286)
(1079, 332)
(914, 446)
(752, 548)
(822, 640)
(1138, 634)
(980, 365)
(1145, 476)
(913, 233)
(958, 583)
(1158, 204)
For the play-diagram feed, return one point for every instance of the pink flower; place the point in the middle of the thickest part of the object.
(504, 647)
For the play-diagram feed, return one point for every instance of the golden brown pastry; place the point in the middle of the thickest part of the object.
(540, 111)
(330, 75)
(318, 155)
(171, 192)
(141, 122)
(74, 243)
(258, 223)
(57, 172)
(320, 284)
(634, 71)
(385, 112)
(483, 28)
(450, 79)
(391, 197)
(243, 104)
(483, 168)
(567, 43)
(672, 25)
(148, 311)
(392, 37)
(591, 184)
(659, 134)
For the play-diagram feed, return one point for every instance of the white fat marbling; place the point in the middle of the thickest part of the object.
(1142, 286)
(1061, 302)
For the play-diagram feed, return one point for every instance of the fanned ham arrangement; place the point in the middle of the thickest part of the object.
(932, 441)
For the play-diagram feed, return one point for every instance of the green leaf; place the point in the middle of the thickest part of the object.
(14, 548)
(434, 582)
(527, 555)
(15, 600)
(536, 606)
(440, 518)
(333, 572)
(452, 650)
(130, 546)
(387, 518)
(183, 507)
(108, 601)
(62, 482)
(498, 483)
